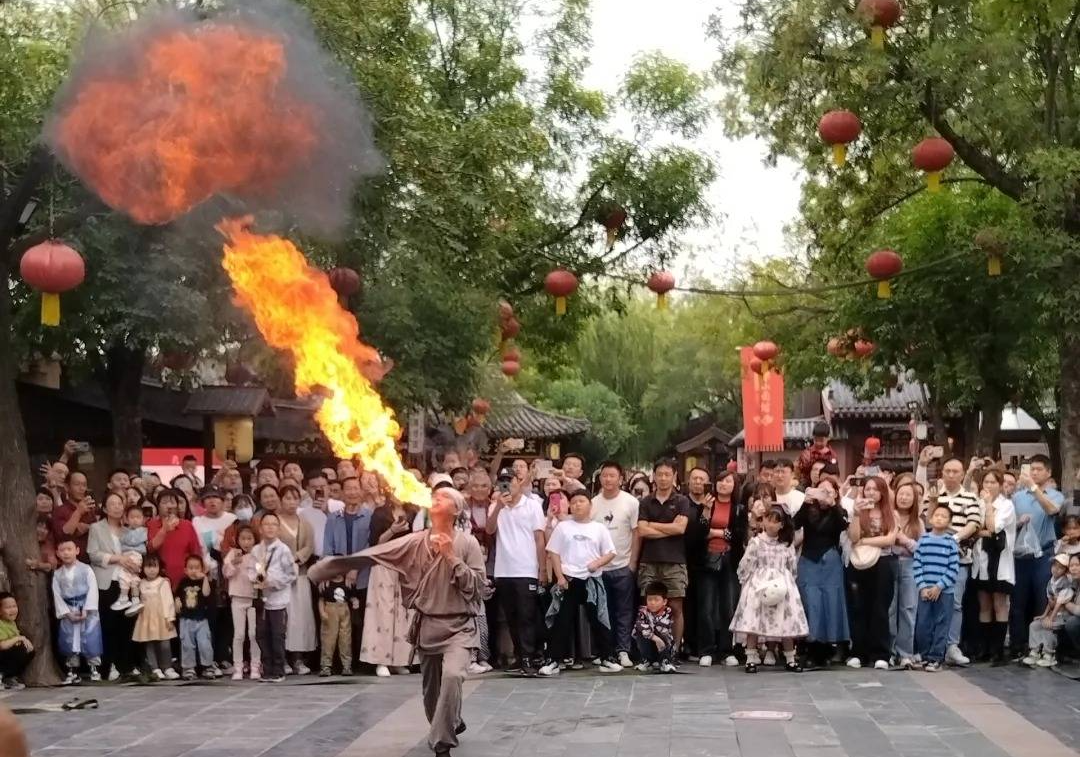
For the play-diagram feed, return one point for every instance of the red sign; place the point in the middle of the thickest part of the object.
(763, 406)
(172, 456)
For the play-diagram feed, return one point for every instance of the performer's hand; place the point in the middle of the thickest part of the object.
(444, 544)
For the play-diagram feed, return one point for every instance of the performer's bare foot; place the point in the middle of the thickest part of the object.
(11, 735)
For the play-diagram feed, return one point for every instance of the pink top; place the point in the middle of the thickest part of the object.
(239, 583)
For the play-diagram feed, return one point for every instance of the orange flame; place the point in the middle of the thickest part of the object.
(155, 157)
(296, 310)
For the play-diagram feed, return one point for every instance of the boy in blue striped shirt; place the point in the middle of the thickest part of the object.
(936, 564)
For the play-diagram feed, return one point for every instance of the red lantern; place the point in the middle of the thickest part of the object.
(612, 217)
(883, 265)
(506, 310)
(864, 348)
(661, 283)
(732, 466)
(758, 366)
(560, 284)
(481, 406)
(512, 354)
(511, 368)
(345, 281)
(872, 446)
(510, 328)
(992, 242)
(836, 347)
(880, 14)
(766, 350)
(52, 267)
(933, 155)
(839, 128)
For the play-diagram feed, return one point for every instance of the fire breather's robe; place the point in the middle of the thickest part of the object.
(447, 596)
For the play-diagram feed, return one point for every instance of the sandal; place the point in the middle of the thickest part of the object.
(751, 667)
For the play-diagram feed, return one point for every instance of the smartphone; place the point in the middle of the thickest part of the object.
(544, 468)
(872, 470)
(937, 452)
(320, 493)
(555, 503)
(82, 447)
(1025, 470)
(503, 486)
(858, 481)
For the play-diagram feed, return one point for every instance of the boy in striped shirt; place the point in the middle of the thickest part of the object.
(936, 565)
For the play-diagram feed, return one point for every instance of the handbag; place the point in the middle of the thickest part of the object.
(864, 556)
(995, 543)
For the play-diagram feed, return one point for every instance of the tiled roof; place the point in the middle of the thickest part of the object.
(230, 400)
(891, 404)
(517, 419)
(795, 429)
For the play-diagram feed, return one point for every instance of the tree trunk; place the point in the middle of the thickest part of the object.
(986, 441)
(1069, 408)
(123, 384)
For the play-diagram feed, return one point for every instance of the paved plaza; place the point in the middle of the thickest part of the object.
(974, 713)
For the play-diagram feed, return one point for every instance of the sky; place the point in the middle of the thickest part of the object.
(752, 202)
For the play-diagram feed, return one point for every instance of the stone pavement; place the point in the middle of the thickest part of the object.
(975, 713)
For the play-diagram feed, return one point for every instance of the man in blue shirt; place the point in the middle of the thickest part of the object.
(1037, 504)
(348, 531)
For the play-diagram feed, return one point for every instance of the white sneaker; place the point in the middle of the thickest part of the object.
(1047, 660)
(705, 661)
(907, 663)
(114, 674)
(551, 669)
(382, 671)
(625, 661)
(881, 665)
(854, 662)
(642, 666)
(954, 656)
(596, 661)
(121, 604)
(302, 669)
(475, 669)
(171, 675)
(770, 658)
(135, 609)
(731, 661)
(288, 669)
(238, 675)
(255, 673)
(157, 675)
(95, 674)
(668, 667)
(71, 678)
(610, 666)
(1031, 660)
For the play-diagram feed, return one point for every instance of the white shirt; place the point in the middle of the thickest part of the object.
(315, 518)
(578, 544)
(1004, 521)
(792, 501)
(515, 540)
(620, 516)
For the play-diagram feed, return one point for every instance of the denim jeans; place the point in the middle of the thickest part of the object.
(956, 623)
(1028, 597)
(621, 587)
(195, 636)
(932, 622)
(902, 612)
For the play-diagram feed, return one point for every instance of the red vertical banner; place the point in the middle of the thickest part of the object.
(763, 406)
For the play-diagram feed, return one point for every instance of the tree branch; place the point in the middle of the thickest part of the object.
(60, 225)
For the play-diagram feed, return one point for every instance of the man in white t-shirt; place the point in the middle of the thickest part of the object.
(210, 528)
(784, 481)
(517, 520)
(579, 549)
(617, 510)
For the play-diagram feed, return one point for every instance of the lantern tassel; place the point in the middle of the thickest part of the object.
(933, 182)
(50, 309)
(560, 306)
(877, 37)
(661, 301)
(993, 265)
(612, 235)
(884, 290)
(839, 154)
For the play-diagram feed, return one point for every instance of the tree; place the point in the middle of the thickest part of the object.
(996, 82)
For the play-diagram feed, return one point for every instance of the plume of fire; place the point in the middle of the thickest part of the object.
(149, 136)
(296, 310)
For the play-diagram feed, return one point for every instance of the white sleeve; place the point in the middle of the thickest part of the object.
(556, 540)
(58, 598)
(634, 511)
(91, 596)
(538, 516)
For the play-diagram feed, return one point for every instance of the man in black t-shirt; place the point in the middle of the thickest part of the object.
(660, 549)
(192, 607)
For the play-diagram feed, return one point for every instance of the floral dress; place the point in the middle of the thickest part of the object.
(766, 560)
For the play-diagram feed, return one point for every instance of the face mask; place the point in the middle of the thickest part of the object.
(244, 514)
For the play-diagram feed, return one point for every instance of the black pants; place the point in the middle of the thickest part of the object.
(873, 591)
(562, 634)
(13, 661)
(356, 617)
(270, 628)
(116, 630)
(221, 630)
(517, 596)
(715, 593)
(648, 652)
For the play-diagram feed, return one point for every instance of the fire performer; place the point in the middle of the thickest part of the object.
(442, 579)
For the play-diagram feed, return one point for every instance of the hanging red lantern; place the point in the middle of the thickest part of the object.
(872, 446)
(511, 368)
(883, 265)
(758, 366)
(344, 281)
(839, 128)
(560, 284)
(512, 354)
(864, 348)
(933, 155)
(733, 466)
(481, 406)
(510, 328)
(661, 282)
(53, 268)
(992, 242)
(612, 217)
(506, 310)
(836, 347)
(880, 14)
(766, 350)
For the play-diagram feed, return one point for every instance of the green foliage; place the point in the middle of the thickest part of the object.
(612, 429)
